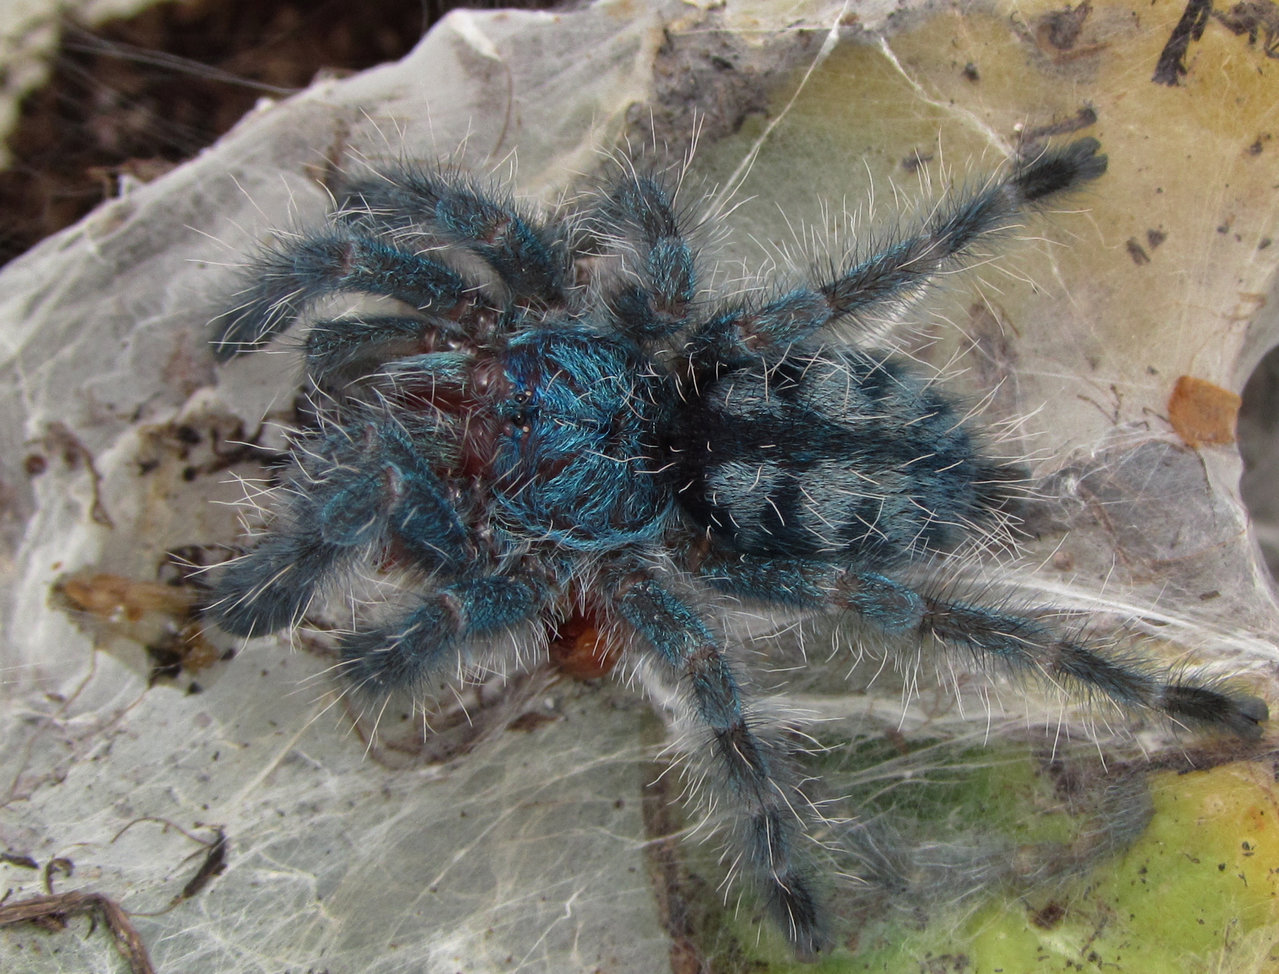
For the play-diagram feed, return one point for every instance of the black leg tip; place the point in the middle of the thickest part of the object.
(1059, 170)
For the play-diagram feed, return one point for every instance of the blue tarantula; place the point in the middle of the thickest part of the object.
(552, 420)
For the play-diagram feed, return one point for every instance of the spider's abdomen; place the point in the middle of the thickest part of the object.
(576, 461)
(832, 453)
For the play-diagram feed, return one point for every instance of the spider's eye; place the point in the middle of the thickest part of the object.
(518, 412)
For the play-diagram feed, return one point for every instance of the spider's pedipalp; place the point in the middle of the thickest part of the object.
(269, 588)
(528, 255)
(754, 770)
(357, 486)
(426, 643)
(284, 282)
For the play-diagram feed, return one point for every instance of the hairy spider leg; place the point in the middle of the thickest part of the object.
(529, 256)
(882, 283)
(1022, 643)
(361, 484)
(756, 772)
(659, 281)
(284, 282)
(429, 642)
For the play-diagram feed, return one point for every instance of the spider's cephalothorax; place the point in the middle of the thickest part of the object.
(557, 419)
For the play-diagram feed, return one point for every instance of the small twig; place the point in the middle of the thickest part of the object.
(57, 908)
(214, 865)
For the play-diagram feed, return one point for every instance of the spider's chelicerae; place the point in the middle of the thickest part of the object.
(553, 420)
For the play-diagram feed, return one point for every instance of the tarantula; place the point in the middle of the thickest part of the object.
(553, 420)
